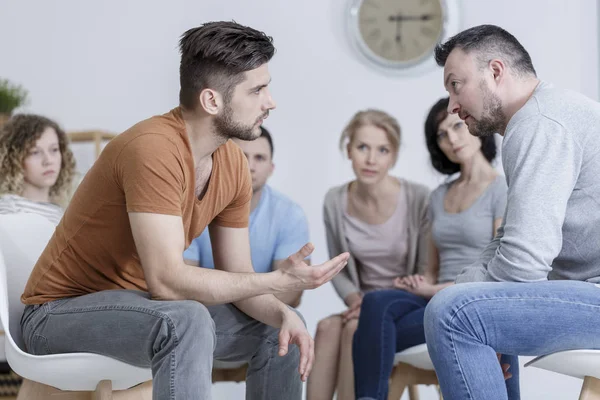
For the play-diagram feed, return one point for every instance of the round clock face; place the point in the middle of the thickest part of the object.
(398, 34)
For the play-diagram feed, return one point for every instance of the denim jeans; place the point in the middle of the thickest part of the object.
(467, 324)
(177, 339)
(390, 321)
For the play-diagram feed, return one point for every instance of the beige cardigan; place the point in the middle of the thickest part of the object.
(419, 226)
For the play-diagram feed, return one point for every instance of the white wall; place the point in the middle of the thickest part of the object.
(109, 64)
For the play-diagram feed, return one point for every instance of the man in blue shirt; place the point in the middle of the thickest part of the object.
(278, 226)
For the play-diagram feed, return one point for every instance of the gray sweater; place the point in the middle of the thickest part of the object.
(347, 281)
(551, 158)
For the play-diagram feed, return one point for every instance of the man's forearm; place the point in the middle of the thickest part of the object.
(290, 298)
(211, 286)
(266, 308)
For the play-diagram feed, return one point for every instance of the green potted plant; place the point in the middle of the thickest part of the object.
(11, 97)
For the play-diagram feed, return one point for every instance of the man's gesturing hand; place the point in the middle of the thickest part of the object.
(297, 275)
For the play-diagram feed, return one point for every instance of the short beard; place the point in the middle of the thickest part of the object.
(226, 127)
(493, 119)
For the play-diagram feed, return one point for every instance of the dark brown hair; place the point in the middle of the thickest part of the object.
(216, 55)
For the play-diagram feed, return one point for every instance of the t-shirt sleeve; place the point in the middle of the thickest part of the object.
(499, 206)
(293, 234)
(151, 172)
(237, 212)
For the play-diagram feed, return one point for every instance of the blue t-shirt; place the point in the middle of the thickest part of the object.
(278, 228)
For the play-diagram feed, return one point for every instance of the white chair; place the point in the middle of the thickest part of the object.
(582, 364)
(412, 367)
(60, 376)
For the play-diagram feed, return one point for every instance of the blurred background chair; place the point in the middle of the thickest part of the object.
(412, 367)
(582, 364)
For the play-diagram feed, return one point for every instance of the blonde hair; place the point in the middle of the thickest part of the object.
(17, 137)
(377, 118)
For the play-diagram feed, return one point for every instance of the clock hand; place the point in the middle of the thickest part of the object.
(424, 17)
(397, 20)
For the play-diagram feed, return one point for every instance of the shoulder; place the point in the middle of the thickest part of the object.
(440, 191)
(10, 198)
(153, 137)
(499, 186)
(8, 202)
(282, 204)
(231, 154)
(334, 195)
(549, 110)
(419, 192)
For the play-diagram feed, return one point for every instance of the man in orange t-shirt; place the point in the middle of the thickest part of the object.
(112, 279)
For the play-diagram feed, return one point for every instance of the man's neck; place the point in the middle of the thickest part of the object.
(520, 93)
(203, 138)
(255, 199)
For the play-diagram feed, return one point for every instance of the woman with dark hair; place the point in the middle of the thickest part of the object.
(465, 213)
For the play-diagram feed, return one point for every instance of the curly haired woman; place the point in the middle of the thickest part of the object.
(36, 167)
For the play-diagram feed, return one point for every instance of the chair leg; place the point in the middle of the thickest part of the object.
(405, 375)
(140, 392)
(398, 382)
(31, 390)
(590, 389)
(413, 392)
(103, 391)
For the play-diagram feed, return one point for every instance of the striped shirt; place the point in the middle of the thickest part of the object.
(12, 204)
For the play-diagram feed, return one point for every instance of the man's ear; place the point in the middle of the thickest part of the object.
(497, 68)
(272, 169)
(211, 101)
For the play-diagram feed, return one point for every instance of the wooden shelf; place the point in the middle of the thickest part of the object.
(97, 137)
(90, 136)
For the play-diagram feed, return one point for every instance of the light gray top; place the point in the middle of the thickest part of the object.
(417, 225)
(551, 158)
(380, 250)
(461, 237)
(13, 204)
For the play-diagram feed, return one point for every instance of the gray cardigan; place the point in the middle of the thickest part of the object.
(419, 227)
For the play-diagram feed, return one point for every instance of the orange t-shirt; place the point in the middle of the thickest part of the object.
(148, 168)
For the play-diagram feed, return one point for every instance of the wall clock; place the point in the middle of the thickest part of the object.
(400, 35)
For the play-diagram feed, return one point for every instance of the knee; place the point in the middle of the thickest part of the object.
(441, 312)
(349, 330)
(191, 319)
(330, 327)
(372, 302)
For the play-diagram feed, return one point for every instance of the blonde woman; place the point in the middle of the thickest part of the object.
(36, 167)
(465, 213)
(382, 221)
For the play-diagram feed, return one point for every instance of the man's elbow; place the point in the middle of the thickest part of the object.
(160, 289)
(296, 300)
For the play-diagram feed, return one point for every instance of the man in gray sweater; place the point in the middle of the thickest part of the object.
(533, 289)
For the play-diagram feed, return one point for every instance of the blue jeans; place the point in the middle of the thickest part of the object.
(467, 324)
(390, 321)
(177, 339)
